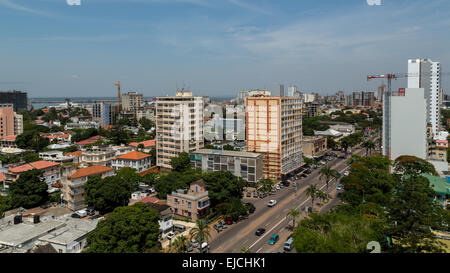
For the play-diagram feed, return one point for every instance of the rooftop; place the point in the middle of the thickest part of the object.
(92, 170)
(146, 143)
(34, 165)
(133, 156)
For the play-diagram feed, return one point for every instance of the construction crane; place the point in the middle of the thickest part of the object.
(118, 95)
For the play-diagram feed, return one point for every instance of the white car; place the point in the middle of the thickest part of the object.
(170, 235)
(277, 187)
(272, 203)
(346, 173)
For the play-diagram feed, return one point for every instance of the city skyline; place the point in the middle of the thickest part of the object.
(214, 48)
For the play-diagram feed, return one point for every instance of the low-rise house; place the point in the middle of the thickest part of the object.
(314, 146)
(193, 203)
(98, 156)
(136, 160)
(51, 173)
(55, 156)
(73, 188)
(147, 145)
(75, 155)
(90, 140)
(166, 221)
(247, 165)
(8, 142)
(81, 125)
(122, 149)
(66, 235)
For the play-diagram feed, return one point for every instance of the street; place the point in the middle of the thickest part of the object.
(274, 219)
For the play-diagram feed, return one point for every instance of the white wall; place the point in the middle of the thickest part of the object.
(408, 124)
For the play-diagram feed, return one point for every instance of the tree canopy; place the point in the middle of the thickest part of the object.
(131, 229)
(29, 190)
(181, 162)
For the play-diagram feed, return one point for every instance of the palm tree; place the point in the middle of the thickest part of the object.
(201, 231)
(368, 145)
(180, 244)
(294, 213)
(321, 195)
(311, 191)
(327, 173)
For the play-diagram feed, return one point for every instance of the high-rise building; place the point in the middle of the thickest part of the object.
(179, 126)
(131, 101)
(356, 98)
(279, 90)
(11, 123)
(424, 73)
(399, 136)
(18, 99)
(291, 90)
(368, 98)
(104, 113)
(381, 90)
(274, 128)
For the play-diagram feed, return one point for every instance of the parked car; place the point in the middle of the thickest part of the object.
(255, 194)
(170, 235)
(218, 227)
(82, 213)
(252, 208)
(288, 245)
(224, 225)
(274, 239)
(272, 203)
(190, 248)
(228, 221)
(339, 187)
(194, 243)
(286, 183)
(249, 194)
(204, 248)
(260, 231)
(75, 215)
(90, 211)
(308, 171)
(277, 187)
(346, 173)
(262, 195)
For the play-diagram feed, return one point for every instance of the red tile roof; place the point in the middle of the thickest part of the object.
(40, 165)
(149, 199)
(76, 153)
(10, 138)
(146, 143)
(2, 176)
(133, 156)
(92, 170)
(89, 140)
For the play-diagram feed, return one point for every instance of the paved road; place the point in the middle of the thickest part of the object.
(274, 220)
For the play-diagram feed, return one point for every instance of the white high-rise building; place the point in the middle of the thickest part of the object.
(424, 73)
(401, 137)
(291, 90)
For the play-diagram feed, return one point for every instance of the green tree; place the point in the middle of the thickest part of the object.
(311, 192)
(232, 208)
(327, 173)
(179, 245)
(222, 186)
(336, 233)
(118, 135)
(130, 175)
(201, 231)
(369, 146)
(32, 140)
(407, 164)
(4, 205)
(181, 162)
(265, 185)
(412, 212)
(132, 229)
(146, 123)
(108, 193)
(29, 190)
(30, 157)
(294, 213)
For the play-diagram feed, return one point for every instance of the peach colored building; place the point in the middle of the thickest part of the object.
(73, 187)
(136, 160)
(192, 203)
(11, 124)
(274, 129)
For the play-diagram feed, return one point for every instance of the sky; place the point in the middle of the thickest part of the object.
(214, 47)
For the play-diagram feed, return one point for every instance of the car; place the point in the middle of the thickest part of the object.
(218, 227)
(262, 195)
(294, 184)
(228, 221)
(260, 231)
(272, 203)
(277, 187)
(346, 173)
(252, 208)
(274, 239)
(249, 194)
(190, 248)
(82, 213)
(90, 211)
(75, 215)
(304, 175)
(255, 194)
(273, 191)
(242, 195)
(308, 171)
(224, 225)
(288, 245)
(170, 235)
(339, 187)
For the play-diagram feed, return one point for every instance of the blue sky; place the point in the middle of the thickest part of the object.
(214, 47)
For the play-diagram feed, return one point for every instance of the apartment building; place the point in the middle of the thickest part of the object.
(314, 146)
(437, 149)
(136, 160)
(248, 166)
(98, 156)
(11, 123)
(179, 126)
(192, 203)
(73, 190)
(274, 128)
(104, 113)
(18, 99)
(131, 101)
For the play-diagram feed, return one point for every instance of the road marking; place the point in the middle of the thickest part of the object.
(258, 250)
(268, 231)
